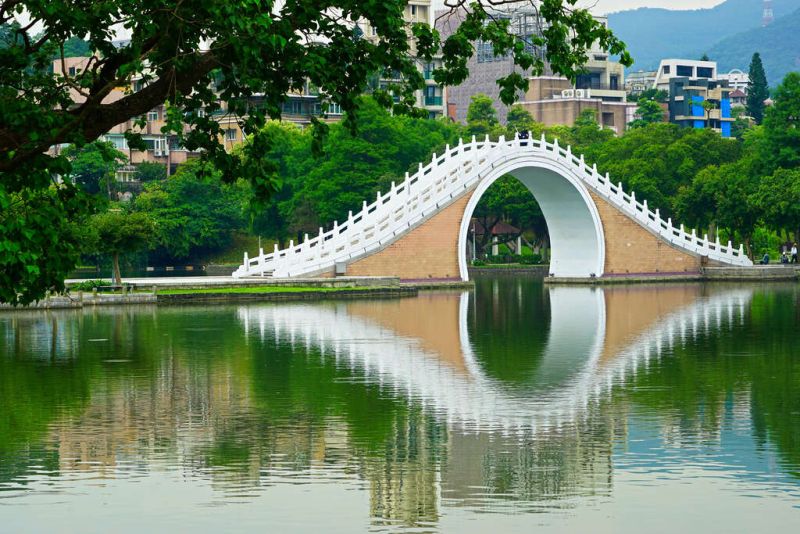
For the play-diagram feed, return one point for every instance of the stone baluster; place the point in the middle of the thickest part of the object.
(730, 247)
(246, 263)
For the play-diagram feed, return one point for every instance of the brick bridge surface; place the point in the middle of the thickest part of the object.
(430, 251)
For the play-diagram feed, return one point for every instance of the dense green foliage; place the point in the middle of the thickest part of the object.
(192, 54)
(149, 171)
(194, 212)
(648, 112)
(757, 89)
(115, 232)
(92, 166)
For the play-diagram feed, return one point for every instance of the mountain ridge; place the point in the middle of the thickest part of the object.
(651, 34)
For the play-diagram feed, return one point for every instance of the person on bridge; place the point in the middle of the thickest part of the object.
(794, 253)
(765, 259)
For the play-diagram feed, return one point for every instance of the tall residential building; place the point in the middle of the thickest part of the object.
(484, 66)
(683, 68)
(432, 97)
(550, 99)
(700, 103)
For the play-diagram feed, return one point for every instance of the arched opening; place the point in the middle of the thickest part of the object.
(508, 226)
(573, 222)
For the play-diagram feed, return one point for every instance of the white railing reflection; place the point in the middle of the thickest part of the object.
(468, 397)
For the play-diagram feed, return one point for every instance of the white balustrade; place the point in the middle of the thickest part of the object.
(442, 180)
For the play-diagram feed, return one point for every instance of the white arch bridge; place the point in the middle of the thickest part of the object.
(419, 228)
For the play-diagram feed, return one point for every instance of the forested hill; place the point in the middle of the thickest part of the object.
(778, 44)
(653, 34)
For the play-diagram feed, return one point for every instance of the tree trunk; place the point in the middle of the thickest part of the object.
(117, 275)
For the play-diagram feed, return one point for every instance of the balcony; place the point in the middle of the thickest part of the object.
(433, 100)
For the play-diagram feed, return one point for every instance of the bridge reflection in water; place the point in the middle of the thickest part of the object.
(544, 440)
(421, 348)
(447, 399)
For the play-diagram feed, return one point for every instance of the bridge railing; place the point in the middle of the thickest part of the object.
(438, 183)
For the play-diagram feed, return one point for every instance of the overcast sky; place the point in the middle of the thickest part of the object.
(609, 6)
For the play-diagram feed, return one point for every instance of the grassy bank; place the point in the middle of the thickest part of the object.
(263, 290)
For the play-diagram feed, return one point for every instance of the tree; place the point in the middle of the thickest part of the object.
(778, 199)
(705, 57)
(659, 95)
(722, 195)
(150, 171)
(520, 119)
(191, 53)
(782, 124)
(355, 167)
(92, 166)
(757, 89)
(117, 232)
(482, 117)
(193, 210)
(648, 112)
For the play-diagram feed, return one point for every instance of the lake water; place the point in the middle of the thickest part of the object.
(509, 408)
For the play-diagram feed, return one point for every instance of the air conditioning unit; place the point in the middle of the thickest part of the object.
(568, 93)
(579, 93)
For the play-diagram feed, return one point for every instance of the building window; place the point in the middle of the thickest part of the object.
(413, 10)
(152, 116)
(684, 70)
(705, 72)
(119, 141)
(666, 69)
(485, 52)
(613, 82)
(293, 107)
(230, 135)
(72, 71)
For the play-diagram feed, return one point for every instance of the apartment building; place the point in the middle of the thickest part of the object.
(485, 67)
(737, 79)
(432, 97)
(550, 99)
(553, 100)
(701, 103)
(638, 82)
(683, 68)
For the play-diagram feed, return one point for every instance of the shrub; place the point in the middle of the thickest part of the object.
(88, 285)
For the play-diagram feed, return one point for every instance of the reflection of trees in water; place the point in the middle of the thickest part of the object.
(192, 391)
(575, 460)
(509, 320)
(749, 370)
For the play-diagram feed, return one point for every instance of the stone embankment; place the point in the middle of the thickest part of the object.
(185, 290)
(756, 273)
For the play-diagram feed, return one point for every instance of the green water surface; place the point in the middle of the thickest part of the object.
(511, 408)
